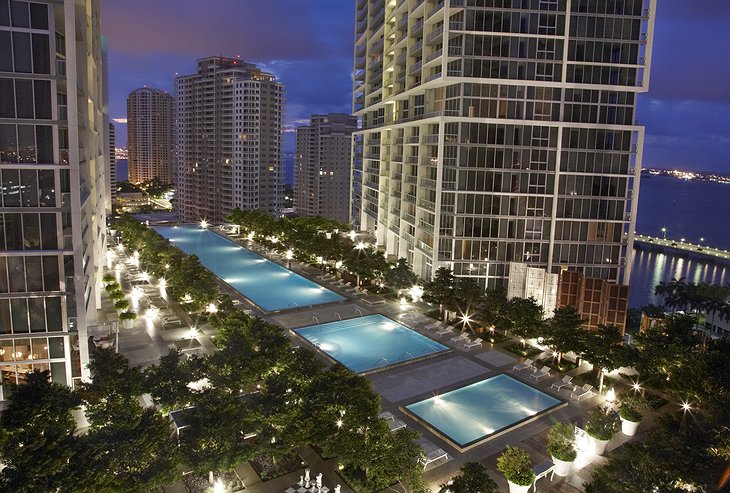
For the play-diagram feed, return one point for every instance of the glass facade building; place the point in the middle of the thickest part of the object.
(498, 131)
(52, 172)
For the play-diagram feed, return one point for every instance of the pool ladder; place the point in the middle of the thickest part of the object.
(384, 361)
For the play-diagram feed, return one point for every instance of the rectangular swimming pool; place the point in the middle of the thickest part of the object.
(267, 284)
(371, 342)
(473, 413)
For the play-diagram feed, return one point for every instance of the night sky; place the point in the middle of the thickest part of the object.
(308, 45)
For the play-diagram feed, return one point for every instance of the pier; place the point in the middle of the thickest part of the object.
(668, 245)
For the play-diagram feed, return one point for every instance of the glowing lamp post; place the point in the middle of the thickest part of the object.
(289, 257)
(204, 224)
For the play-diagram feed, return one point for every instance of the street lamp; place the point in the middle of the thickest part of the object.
(664, 232)
(289, 257)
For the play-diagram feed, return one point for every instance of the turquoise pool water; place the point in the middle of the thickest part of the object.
(267, 284)
(472, 413)
(366, 343)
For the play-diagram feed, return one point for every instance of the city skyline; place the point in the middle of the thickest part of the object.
(683, 114)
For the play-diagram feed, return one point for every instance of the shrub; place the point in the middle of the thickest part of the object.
(112, 286)
(602, 423)
(631, 408)
(108, 278)
(516, 465)
(561, 440)
(121, 305)
(127, 316)
(116, 295)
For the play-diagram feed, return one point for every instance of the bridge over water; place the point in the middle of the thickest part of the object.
(668, 245)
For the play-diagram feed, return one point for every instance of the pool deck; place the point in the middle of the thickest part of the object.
(147, 341)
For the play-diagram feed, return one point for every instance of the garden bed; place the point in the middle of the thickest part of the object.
(198, 483)
(526, 351)
(564, 366)
(266, 468)
(590, 377)
(494, 337)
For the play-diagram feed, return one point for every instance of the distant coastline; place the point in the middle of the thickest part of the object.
(689, 175)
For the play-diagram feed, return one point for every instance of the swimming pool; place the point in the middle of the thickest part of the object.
(371, 342)
(483, 409)
(267, 284)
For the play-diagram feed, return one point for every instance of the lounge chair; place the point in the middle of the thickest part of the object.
(396, 424)
(585, 391)
(542, 372)
(463, 337)
(432, 325)
(386, 415)
(446, 329)
(360, 292)
(528, 363)
(562, 383)
(434, 456)
(476, 342)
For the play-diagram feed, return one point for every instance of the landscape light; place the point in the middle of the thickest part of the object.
(203, 224)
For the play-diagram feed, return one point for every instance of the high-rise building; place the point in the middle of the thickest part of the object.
(52, 150)
(112, 170)
(322, 168)
(501, 131)
(228, 144)
(150, 126)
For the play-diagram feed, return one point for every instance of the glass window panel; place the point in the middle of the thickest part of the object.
(11, 190)
(53, 314)
(9, 376)
(21, 52)
(37, 312)
(6, 53)
(26, 144)
(31, 232)
(19, 14)
(41, 366)
(44, 139)
(49, 232)
(13, 229)
(19, 311)
(46, 188)
(33, 273)
(4, 13)
(3, 275)
(16, 274)
(58, 373)
(28, 188)
(40, 347)
(38, 16)
(5, 326)
(24, 370)
(7, 97)
(24, 97)
(42, 98)
(55, 347)
(41, 54)
(50, 273)
(8, 142)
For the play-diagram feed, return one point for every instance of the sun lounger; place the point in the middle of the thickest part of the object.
(360, 292)
(396, 424)
(528, 363)
(562, 383)
(476, 342)
(433, 325)
(542, 372)
(463, 337)
(446, 329)
(434, 456)
(585, 391)
(386, 415)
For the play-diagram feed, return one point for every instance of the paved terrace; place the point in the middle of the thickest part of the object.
(147, 340)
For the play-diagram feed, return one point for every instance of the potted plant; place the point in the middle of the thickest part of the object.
(630, 412)
(121, 305)
(127, 319)
(112, 286)
(516, 465)
(561, 446)
(601, 425)
(116, 295)
(108, 278)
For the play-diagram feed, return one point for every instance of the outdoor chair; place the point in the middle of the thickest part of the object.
(528, 363)
(476, 342)
(585, 391)
(434, 456)
(463, 337)
(542, 372)
(432, 325)
(446, 329)
(562, 383)
(360, 292)
(387, 415)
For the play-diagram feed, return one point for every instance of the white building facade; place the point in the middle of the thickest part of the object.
(53, 164)
(498, 131)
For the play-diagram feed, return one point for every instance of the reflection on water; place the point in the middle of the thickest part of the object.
(651, 268)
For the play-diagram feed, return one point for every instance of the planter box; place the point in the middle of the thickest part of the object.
(629, 428)
(598, 446)
(562, 468)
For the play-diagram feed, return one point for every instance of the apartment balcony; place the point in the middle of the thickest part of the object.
(416, 6)
(435, 35)
(433, 56)
(436, 9)
(417, 28)
(414, 139)
(456, 3)
(409, 197)
(428, 183)
(416, 67)
(456, 25)
(417, 48)
(411, 179)
(410, 218)
(428, 205)
(403, 22)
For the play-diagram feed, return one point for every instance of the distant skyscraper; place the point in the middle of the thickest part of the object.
(112, 171)
(322, 168)
(150, 126)
(53, 155)
(498, 132)
(228, 140)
